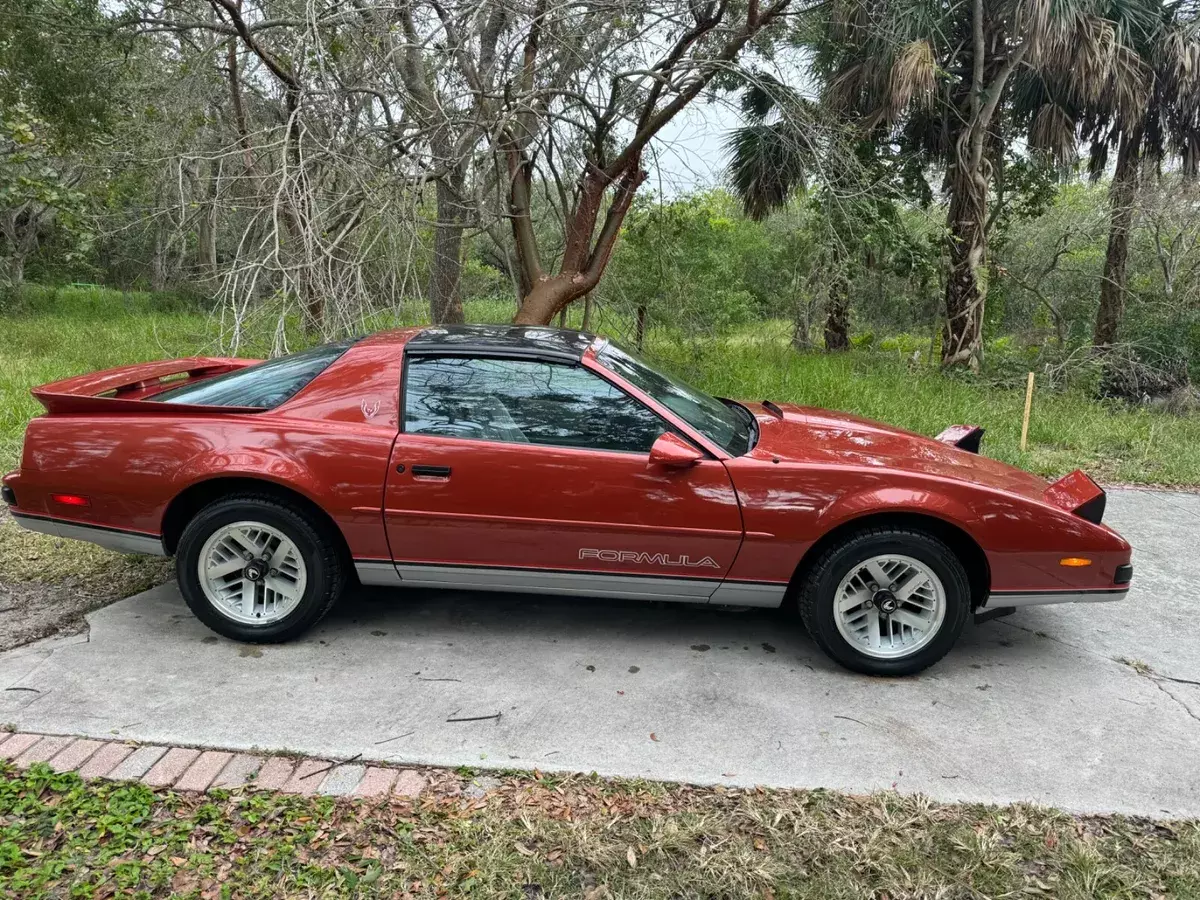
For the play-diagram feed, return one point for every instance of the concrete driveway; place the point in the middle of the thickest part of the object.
(1033, 707)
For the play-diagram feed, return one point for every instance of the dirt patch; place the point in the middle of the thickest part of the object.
(48, 584)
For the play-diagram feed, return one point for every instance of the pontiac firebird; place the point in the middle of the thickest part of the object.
(510, 458)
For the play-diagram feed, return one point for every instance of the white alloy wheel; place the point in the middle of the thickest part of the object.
(252, 573)
(890, 606)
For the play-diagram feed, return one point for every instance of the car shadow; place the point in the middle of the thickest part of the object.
(462, 617)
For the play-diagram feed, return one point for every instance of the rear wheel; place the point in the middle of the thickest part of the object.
(886, 601)
(258, 569)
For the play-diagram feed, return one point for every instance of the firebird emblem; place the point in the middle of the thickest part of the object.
(370, 408)
(648, 559)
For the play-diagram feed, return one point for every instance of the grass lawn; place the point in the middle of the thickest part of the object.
(569, 836)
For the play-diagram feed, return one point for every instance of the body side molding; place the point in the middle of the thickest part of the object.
(571, 583)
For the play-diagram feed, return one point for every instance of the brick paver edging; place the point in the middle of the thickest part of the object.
(188, 769)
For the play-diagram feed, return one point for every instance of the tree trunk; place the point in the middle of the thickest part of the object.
(1121, 195)
(966, 288)
(158, 261)
(549, 295)
(207, 228)
(207, 238)
(14, 271)
(837, 327)
(588, 304)
(312, 301)
(800, 326)
(445, 276)
(585, 252)
(640, 334)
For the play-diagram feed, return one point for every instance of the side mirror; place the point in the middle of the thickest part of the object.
(674, 452)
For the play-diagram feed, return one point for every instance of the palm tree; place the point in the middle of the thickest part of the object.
(769, 159)
(1147, 110)
(937, 79)
(855, 205)
(1166, 123)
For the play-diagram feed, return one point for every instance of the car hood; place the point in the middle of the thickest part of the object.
(822, 437)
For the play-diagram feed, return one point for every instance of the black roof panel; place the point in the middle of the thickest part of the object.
(537, 341)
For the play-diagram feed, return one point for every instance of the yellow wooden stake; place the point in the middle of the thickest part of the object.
(1028, 407)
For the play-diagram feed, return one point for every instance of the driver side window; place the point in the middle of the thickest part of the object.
(524, 401)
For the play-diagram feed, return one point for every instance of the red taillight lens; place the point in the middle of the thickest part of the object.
(71, 499)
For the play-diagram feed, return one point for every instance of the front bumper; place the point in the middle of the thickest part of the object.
(1004, 600)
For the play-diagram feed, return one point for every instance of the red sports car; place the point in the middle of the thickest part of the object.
(540, 460)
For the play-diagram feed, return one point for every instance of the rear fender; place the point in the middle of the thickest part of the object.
(251, 464)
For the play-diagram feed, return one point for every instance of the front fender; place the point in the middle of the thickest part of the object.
(882, 500)
(1023, 540)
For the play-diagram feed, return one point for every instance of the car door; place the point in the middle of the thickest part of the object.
(524, 474)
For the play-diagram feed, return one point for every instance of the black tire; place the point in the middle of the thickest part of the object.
(325, 569)
(817, 597)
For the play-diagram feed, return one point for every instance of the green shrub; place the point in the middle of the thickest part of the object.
(863, 340)
(904, 343)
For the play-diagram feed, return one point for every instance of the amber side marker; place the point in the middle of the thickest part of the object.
(1074, 561)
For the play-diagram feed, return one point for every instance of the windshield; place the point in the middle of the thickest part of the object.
(262, 386)
(724, 422)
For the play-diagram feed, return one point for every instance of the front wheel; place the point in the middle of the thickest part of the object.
(257, 569)
(886, 601)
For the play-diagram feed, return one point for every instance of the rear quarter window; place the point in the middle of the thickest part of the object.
(263, 386)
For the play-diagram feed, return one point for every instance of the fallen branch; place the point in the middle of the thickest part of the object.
(495, 716)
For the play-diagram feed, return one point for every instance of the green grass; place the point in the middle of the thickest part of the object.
(56, 333)
(569, 836)
(1067, 429)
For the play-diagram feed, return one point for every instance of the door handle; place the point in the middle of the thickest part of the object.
(431, 471)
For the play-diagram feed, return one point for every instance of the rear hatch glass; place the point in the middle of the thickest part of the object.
(263, 386)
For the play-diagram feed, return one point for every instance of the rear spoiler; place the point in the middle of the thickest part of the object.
(964, 437)
(1078, 494)
(121, 389)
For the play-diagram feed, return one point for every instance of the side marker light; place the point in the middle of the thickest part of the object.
(71, 499)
